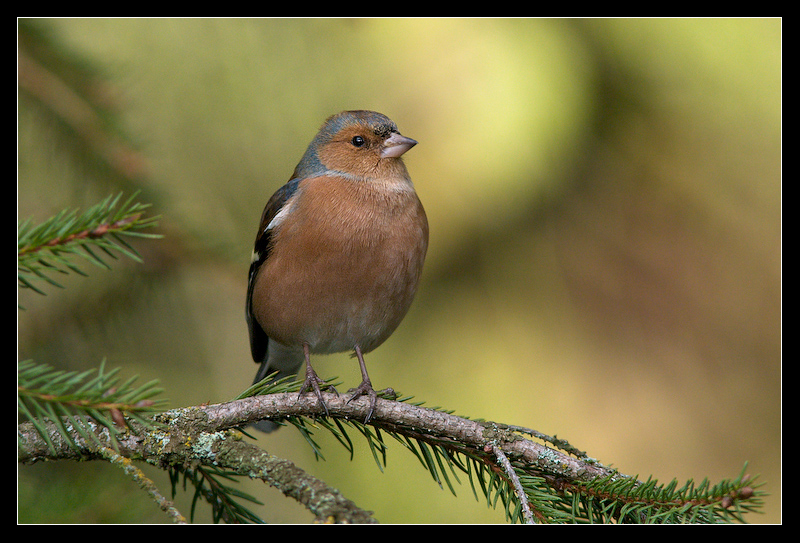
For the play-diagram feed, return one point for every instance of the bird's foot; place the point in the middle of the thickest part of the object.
(314, 384)
(365, 389)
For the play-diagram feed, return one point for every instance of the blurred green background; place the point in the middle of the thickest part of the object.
(604, 198)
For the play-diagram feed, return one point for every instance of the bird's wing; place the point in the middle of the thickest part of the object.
(261, 252)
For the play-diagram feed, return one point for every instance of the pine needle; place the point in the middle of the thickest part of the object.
(57, 244)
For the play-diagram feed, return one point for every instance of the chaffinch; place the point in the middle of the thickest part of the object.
(338, 254)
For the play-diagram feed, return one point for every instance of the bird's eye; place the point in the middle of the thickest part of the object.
(358, 141)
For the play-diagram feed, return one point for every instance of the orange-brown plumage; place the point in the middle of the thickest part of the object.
(344, 277)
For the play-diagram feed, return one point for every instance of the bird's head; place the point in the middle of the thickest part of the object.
(362, 144)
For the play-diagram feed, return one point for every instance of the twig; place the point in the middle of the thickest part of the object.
(95, 233)
(144, 482)
(512, 475)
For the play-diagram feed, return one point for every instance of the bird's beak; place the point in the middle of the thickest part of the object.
(395, 145)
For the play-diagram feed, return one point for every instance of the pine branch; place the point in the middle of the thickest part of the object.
(180, 444)
(531, 481)
(53, 246)
(76, 404)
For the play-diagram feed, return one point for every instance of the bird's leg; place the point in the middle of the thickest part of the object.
(312, 381)
(365, 388)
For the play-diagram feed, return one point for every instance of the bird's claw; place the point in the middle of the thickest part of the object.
(365, 389)
(314, 384)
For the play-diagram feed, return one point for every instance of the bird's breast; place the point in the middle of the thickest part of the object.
(344, 266)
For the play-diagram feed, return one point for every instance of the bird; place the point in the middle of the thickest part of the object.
(338, 254)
